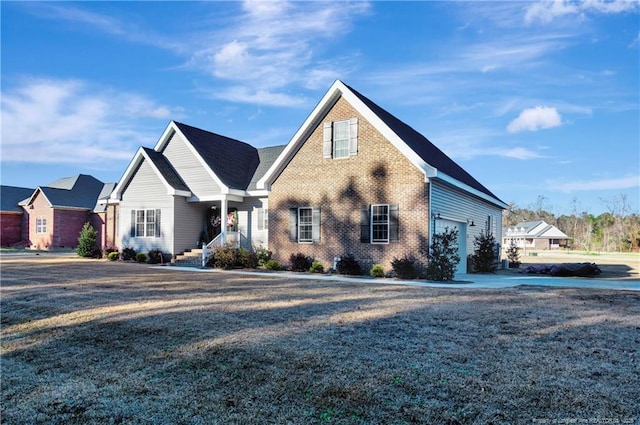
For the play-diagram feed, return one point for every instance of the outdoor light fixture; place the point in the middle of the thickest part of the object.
(472, 224)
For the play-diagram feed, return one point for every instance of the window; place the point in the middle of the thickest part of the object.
(304, 225)
(145, 223)
(263, 218)
(340, 138)
(379, 223)
(41, 225)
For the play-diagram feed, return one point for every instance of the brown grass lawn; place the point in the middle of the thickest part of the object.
(88, 341)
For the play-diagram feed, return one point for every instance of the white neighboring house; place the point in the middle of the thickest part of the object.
(535, 235)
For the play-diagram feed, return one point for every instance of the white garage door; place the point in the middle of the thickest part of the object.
(462, 240)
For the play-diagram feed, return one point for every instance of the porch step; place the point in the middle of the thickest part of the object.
(192, 257)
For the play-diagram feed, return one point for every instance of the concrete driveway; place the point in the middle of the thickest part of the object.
(462, 281)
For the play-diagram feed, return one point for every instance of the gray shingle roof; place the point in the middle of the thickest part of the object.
(81, 191)
(166, 169)
(267, 157)
(233, 161)
(11, 196)
(423, 147)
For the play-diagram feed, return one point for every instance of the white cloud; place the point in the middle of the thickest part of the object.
(548, 10)
(58, 121)
(534, 119)
(521, 153)
(629, 182)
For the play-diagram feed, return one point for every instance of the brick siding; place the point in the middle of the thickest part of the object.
(10, 228)
(379, 173)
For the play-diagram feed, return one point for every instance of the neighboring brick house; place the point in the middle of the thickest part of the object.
(534, 235)
(54, 214)
(355, 180)
(12, 215)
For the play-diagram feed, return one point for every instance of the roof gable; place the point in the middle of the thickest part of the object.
(81, 191)
(232, 161)
(417, 148)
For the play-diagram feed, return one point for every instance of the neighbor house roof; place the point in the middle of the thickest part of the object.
(414, 146)
(12, 196)
(538, 229)
(81, 191)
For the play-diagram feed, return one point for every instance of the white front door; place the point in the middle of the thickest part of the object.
(462, 240)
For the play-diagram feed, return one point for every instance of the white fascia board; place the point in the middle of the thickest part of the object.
(258, 193)
(215, 198)
(170, 189)
(330, 97)
(35, 194)
(116, 195)
(465, 187)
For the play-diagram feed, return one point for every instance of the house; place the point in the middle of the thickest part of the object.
(355, 180)
(54, 214)
(193, 187)
(12, 214)
(534, 235)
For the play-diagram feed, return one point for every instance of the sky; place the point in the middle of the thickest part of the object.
(539, 101)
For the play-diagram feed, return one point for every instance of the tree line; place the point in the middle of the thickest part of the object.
(616, 230)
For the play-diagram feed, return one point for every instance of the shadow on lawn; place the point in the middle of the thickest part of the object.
(99, 342)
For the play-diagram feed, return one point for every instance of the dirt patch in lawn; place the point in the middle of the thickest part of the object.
(87, 341)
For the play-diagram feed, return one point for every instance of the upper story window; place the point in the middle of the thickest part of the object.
(41, 225)
(340, 138)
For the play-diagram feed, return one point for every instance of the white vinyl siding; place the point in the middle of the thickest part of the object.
(453, 204)
(190, 169)
(146, 192)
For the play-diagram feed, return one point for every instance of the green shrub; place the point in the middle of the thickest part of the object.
(348, 265)
(513, 255)
(443, 255)
(246, 259)
(88, 242)
(108, 250)
(316, 267)
(484, 258)
(300, 262)
(113, 256)
(141, 257)
(128, 254)
(263, 255)
(404, 268)
(224, 257)
(377, 270)
(272, 265)
(158, 257)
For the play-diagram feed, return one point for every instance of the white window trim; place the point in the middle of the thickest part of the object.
(41, 225)
(310, 225)
(145, 223)
(372, 224)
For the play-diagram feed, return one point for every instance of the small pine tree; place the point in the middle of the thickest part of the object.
(513, 254)
(88, 242)
(484, 256)
(443, 255)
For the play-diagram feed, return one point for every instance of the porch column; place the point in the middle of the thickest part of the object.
(223, 217)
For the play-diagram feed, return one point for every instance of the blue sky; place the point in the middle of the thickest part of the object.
(534, 99)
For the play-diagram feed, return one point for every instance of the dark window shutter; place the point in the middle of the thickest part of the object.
(133, 224)
(315, 221)
(393, 223)
(327, 147)
(353, 137)
(293, 224)
(365, 232)
(158, 221)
